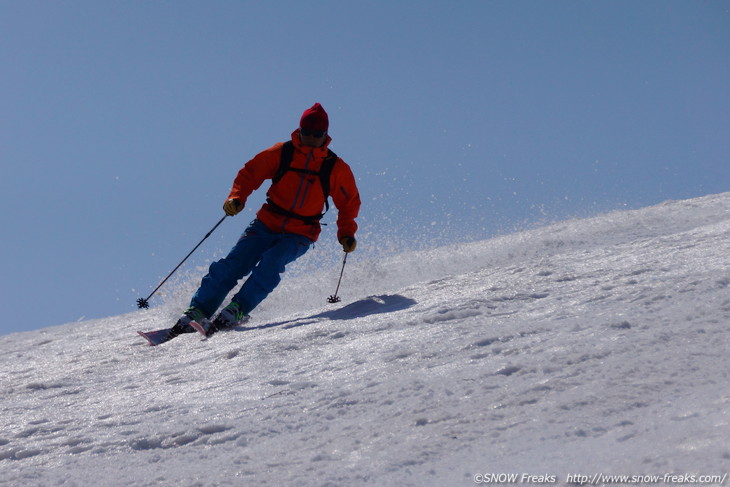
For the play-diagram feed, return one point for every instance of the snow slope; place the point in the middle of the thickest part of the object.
(585, 347)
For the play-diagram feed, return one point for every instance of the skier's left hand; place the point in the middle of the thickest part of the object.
(348, 244)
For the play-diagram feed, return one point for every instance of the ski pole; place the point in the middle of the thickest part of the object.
(334, 298)
(144, 302)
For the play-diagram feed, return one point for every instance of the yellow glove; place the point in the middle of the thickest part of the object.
(348, 244)
(232, 207)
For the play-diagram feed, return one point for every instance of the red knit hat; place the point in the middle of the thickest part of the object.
(315, 118)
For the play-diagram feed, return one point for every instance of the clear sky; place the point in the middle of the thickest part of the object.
(123, 124)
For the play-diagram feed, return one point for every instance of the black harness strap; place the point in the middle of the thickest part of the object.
(325, 170)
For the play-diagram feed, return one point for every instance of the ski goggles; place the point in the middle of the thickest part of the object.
(312, 133)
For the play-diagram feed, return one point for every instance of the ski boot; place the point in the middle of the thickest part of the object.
(229, 317)
(192, 314)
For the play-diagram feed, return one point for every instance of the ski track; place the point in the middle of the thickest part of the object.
(595, 345)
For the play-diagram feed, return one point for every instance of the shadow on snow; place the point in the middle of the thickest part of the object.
(371, 305)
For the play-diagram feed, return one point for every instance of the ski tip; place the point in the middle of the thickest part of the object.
(144, 335)
(155, 338)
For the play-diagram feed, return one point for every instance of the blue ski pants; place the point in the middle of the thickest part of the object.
(260, 252)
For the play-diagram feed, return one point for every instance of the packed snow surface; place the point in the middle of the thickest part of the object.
(592, 347)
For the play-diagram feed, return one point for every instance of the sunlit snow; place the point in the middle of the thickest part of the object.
(588, 346)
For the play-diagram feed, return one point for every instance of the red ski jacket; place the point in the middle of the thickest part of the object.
(300, 193)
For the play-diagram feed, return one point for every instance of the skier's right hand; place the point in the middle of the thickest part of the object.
(232, 207)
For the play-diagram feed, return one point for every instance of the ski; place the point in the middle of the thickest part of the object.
(157, 337)
(201, 328)
(208, 328)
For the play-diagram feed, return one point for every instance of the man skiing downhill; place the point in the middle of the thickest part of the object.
(303, 172)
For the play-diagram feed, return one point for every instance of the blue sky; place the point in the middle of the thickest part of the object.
(124, 123)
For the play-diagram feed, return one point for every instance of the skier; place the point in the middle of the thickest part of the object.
(302, 173)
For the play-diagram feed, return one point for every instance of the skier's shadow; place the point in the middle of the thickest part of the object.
(385, 303)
